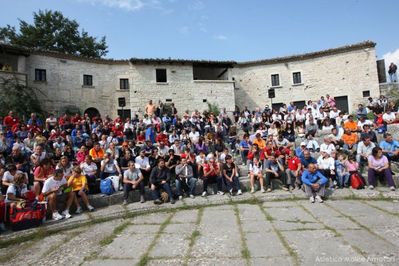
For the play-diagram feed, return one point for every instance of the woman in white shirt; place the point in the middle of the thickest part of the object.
(255, 172)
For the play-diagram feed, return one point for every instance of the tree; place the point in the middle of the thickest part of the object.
(53, 32)
(16, 96)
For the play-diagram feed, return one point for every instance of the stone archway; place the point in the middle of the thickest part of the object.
(92, 112)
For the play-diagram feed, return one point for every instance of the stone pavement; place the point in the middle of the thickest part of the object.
(218, 230)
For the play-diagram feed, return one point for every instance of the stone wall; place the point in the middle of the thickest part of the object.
(64, 84)
(180, 89)
(345, 74)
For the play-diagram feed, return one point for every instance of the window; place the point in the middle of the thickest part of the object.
(275, 80)
(161, 75)
(87, 80)
(40, 74)
(296, 78)
(366, 93)
(124, 84)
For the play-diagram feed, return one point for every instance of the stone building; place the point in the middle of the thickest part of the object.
(347, 73)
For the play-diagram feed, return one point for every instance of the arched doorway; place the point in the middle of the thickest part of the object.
(92, 112)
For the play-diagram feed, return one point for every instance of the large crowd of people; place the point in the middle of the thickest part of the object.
(61, 159)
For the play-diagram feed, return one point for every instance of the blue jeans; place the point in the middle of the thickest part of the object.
(213, 179)
(393, 77)
(156, 192)
(188, 185)
(235, 184)
(343, 180)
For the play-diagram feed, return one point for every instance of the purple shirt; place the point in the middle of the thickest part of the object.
(377, 163)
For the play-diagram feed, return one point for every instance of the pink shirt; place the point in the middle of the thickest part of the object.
(352, 167)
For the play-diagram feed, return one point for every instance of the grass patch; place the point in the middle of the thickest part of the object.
(194, 235)
(245, 253)
(145, 257)
(283, 241)
(109, 239)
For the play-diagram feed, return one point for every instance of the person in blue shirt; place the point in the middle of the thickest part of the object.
(299, 150)
(390, 147)
(306, 159)
(150, 134)
(244, 148)
(314, 183)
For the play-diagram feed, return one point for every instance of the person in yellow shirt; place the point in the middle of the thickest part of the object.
(78, 183)
(259, 141)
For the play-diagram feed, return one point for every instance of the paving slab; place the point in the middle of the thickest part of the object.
(142, 229)
(272, 261)
(386, 205)
(370, 244)
(112, 262)
(153, 218)
(185, 216)
(74, 251)
(216, 261)
(171, 246)
(315, 247)
(128, 246)
(265, 244)
(165, 262)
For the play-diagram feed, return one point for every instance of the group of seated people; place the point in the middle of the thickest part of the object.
(62, 159)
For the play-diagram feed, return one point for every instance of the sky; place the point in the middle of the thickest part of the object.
(239, 30)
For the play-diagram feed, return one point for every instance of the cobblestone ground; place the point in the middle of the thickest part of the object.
(290, 232)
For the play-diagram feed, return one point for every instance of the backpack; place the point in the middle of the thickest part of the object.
(28, 216)
(357, 181)
(106, 186)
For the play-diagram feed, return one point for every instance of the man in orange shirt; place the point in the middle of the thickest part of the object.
(97, 154)
(259, 141)
(350, 124)
(350, 140)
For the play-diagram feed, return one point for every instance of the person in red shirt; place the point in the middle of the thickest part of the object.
(10, 120)
(162, 137)
(293, 170)
(211, 176)
(255, 152)
(270, 149)
(76, 119)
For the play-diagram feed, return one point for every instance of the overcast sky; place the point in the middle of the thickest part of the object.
(224, 29)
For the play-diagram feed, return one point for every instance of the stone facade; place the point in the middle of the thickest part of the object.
(345, 71)
(345, 74)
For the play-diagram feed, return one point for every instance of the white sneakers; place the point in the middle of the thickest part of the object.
(371, 187)
(239, 192)
(319, 199)
(252, 190)
(220, 193)
(57, 216)
(204, 194)
(66, 214)
(180, 197)
(78, 210)
(262, 190)
(90, 208)
(392, 188)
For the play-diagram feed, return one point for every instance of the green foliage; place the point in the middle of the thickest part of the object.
(53, 32)
(19, 98)
(213, 108)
